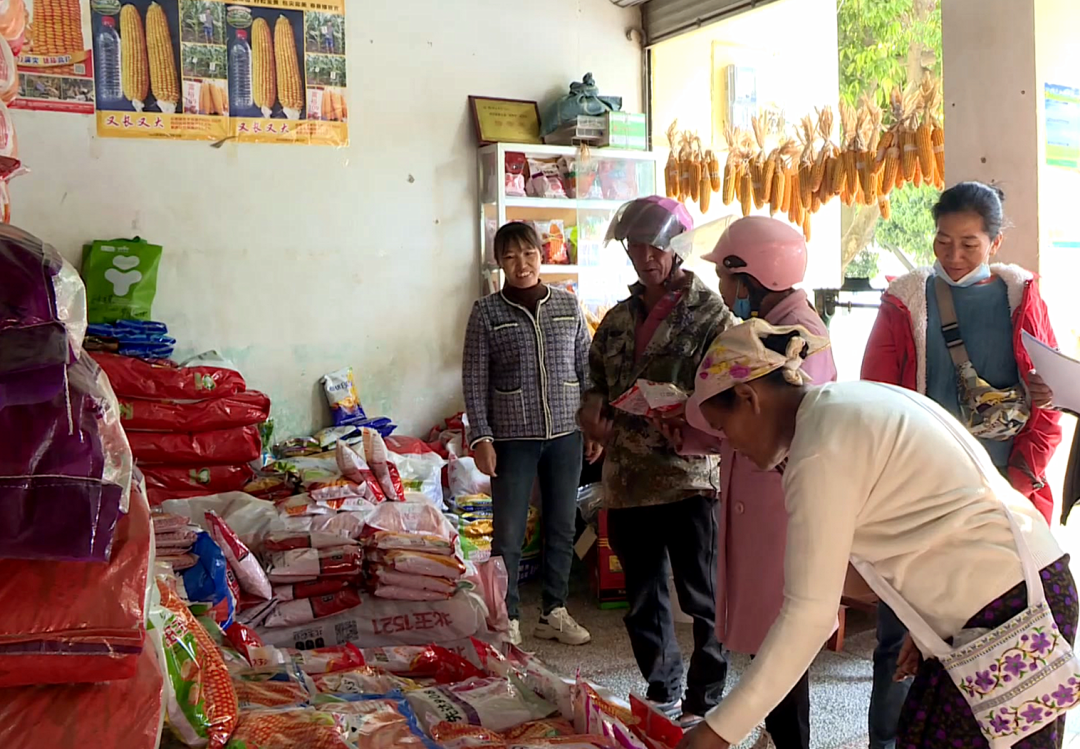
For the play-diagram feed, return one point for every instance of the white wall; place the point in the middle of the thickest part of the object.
(791, 74)
(294, 261)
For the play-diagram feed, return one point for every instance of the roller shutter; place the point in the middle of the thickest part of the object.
(666, 19)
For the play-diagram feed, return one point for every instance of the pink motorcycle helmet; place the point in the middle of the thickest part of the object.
(654, 221)
(769, 250)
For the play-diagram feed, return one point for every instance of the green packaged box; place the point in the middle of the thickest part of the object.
(626, 130)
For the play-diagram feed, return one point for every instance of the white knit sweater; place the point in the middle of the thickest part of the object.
(882, 473)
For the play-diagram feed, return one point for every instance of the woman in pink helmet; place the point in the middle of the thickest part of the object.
(758, 260)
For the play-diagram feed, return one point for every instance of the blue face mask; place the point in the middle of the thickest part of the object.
(742, 309)
(980, 274)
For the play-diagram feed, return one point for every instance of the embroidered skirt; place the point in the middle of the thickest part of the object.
(936, 714)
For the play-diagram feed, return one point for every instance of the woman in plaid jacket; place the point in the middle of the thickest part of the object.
(525, 362)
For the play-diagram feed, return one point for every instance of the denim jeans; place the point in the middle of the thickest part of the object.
(887, 696)
(644, 539)
(518, 464)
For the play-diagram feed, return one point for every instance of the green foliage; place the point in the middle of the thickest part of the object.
(911, 227)
(865, 265)
(875, 39)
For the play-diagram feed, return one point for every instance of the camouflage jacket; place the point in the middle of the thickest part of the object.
(641, 467)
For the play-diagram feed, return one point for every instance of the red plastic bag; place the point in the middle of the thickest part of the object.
(422, 662)
(208, 479)
(403, 445)
(123, 714)
(240, 410)
(135, 378)
(218, 447)
(73, 622)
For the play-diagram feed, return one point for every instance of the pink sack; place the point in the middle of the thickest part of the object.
(249, 573)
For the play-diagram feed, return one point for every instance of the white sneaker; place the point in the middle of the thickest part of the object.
(559, 625)
(514, 635)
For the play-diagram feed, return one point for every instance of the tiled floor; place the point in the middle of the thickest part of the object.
(840, 685)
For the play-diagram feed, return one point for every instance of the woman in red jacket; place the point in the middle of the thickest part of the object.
(912, 346)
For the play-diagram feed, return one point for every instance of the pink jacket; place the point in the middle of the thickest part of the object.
(752, 515)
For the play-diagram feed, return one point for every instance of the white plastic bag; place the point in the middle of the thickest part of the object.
(421, 473)
(465, 478)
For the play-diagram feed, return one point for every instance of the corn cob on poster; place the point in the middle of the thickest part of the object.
(53, 54)
(207, 70)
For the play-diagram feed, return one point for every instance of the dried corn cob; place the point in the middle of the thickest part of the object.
(923, 132)
(671, 169)
(57, 27)
(705, 191)
(777, 187)
(219, 100)
(757, 163)
(163, 82)
(806, 162)
(937, 139)
(795, 203)
(806, 226)
(330, 112)
(885, 208)
(686, 155)
(746, 190)
(825, 126)
(768, 172)
(917, 178)
(206, 101)
(263, 67)
(134, 67)
(730, 172)
(290, 83)
(715, 176)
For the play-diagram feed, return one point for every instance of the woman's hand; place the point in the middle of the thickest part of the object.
(593, 451)
(1040, 393)
(591, 417)
(703, 737)
(909, 660)
(484, 455)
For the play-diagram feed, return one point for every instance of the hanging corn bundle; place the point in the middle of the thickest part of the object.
(909, 150)
(820, 181)
(705, 189)
(671, 170)
(757, 163)
(728, 189)
(849, 182)
(715, 176)
(866, 162)
(889, 147)
(686, 158)
(931, 153)
(807, 160)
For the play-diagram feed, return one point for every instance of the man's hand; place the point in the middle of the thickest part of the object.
(593, 424)
(1041, 394)
(671, 426)
(593, 451)
(702, 737)
(909, 660)
(484, 454)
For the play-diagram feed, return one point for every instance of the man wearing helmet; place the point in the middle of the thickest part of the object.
(661, 505)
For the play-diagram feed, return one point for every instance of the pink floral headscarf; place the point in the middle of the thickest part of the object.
(739, 355)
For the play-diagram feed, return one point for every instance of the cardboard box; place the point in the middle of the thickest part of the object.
(606, 575)
(627, 131)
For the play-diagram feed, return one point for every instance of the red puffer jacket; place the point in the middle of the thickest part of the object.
(896, 354)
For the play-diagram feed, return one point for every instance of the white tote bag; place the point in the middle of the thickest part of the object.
(1018, 678)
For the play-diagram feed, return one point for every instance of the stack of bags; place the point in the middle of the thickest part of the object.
(192, 429)
(313, 575)
(412, 553)
(75, 533)
(173, 539)
(142, 339)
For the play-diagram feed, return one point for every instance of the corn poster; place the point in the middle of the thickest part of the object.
(52, 54)
(271, 71)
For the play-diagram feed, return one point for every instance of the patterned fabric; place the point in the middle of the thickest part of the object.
(641, 467)
(936, 713)
(522, 375)
(739, 355)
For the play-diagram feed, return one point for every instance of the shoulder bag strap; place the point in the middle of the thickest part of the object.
(950, 328)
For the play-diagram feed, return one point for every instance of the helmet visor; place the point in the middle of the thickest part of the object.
(646, 222)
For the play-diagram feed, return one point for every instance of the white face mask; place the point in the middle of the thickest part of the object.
(980, 274)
